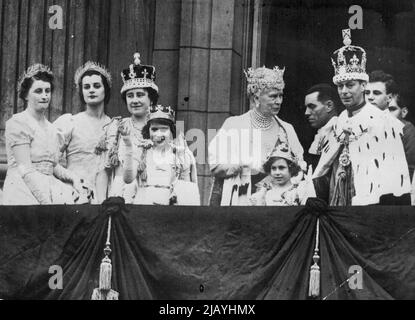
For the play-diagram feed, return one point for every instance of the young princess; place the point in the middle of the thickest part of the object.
(281, 187)
(162, 165)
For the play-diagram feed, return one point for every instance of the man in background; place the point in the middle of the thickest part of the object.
(382, 91)
(322, 105)
(399, 110)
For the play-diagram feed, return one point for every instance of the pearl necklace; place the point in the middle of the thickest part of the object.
(259, 121)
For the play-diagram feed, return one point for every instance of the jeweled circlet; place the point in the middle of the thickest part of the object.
(264, 78)
(92, 66)
(32, 71)
(162, 112)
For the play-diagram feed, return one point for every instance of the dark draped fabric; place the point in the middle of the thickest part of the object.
(205, 253)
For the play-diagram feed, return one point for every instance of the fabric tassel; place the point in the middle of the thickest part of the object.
(104, 291)
(104, 295)
(314, 284)
(105, 274)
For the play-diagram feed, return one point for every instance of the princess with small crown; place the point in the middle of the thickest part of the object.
(282, 187)
(162, 165)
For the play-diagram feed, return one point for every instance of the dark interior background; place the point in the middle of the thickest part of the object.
(302, 35)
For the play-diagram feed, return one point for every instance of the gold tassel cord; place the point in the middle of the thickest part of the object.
(314, 285)
(104, 292)
(106, 267)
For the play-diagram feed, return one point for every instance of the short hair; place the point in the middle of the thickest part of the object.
(326, 92)
(107, 87)
(386, 78)
(164, 122)
(153, 95)
(28, 82)
(401, 101)
(293, 168)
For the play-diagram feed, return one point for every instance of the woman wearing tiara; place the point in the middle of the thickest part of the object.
(139, 92)
(83, 148)
(34, 175)
(239, 150)
(162, 165)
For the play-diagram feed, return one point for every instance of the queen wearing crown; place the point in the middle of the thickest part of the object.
(162, 164)
(139, 92)
(83, 148)
(242, 145)
(34, 175)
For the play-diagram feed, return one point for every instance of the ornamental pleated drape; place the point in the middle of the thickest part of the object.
(197, 253)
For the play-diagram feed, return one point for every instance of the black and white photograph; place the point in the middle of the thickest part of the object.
(207, 150)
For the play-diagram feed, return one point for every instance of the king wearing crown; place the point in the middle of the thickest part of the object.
(240, 148)
(364, 156)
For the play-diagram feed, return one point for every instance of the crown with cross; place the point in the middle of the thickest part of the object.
(349, 62)
(138, 76)
(162, 112)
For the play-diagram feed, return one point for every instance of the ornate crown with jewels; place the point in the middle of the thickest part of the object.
(92, 66)
(282, 150)
(31, 72)
(138, 76)
(264, 78)
(349, 61)
(162, 112)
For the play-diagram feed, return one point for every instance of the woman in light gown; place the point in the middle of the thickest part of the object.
(139, 92)
(34, 175)
(83, 133)
(163, 165)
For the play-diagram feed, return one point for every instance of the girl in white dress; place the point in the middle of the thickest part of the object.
(281, 187)
(163, 165)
